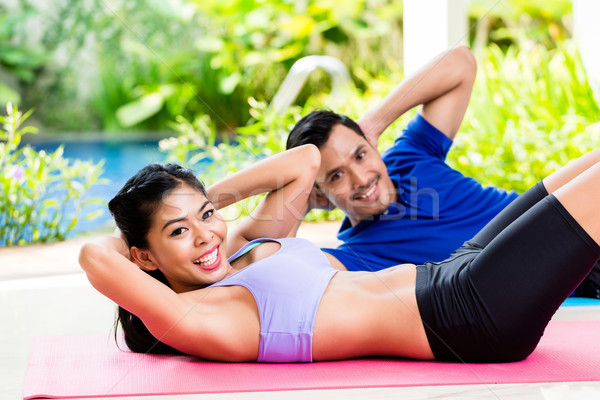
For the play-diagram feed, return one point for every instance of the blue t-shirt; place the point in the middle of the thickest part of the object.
(438, 208)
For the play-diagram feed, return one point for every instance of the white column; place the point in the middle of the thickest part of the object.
(430, 27)
(586, 31)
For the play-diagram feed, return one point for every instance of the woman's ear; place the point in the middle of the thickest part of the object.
(142, 259)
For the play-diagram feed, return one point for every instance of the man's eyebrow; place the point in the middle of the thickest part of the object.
(331, 172)
(172, 221)
(357, 150)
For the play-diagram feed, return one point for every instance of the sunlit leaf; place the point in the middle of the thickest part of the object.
(297, 26)
(229, 84)
(139, 110)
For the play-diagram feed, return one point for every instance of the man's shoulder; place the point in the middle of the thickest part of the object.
(419, 138)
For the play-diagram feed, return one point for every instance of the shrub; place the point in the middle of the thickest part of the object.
(530, 113)
(42, 196)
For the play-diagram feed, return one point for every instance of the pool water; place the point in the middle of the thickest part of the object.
(122, 160)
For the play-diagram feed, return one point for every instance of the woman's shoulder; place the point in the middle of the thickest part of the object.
(223, 330)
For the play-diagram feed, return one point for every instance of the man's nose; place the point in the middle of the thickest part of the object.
(359, 176)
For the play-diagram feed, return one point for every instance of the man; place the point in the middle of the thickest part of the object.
(406, 205)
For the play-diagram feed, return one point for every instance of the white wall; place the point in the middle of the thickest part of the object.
(430, 27)
(586, 31)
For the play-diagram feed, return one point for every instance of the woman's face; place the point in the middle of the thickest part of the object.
(187, 240)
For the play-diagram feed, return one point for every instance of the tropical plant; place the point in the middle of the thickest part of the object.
(521, 23)
(530, 113)
(42, 195)
(18, 59)
(209, 57)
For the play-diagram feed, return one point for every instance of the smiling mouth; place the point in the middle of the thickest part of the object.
(209, 259)
(368, 193)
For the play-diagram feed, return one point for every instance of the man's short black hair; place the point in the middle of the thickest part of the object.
(316, 127)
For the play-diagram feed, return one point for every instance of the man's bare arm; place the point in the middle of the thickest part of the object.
(443, 87)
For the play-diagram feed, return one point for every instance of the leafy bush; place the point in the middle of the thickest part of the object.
(45, 49)
(155, 60)
(515, 22)
(17, 58)
(137, 64)
(42, 196)
(530, 113)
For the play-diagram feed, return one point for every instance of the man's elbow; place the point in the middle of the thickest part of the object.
(466, 62)
(313, 158)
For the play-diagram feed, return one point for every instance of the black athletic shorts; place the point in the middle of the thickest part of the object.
(491, 300)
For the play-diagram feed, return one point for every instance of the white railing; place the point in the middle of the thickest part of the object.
(296, 78)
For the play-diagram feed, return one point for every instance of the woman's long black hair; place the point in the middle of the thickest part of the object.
(133, 209)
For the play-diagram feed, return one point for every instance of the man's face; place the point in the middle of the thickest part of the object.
(353, 177)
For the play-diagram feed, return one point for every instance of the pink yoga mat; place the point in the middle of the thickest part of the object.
(92, 366)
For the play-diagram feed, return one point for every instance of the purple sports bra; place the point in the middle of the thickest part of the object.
(287, 287)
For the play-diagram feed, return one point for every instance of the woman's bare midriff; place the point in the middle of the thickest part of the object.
(367, 314)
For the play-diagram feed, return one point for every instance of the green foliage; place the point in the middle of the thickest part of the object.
(17, 58)
(530, 113)
(150, 61)
(53, 41)
(208, 57)
(521, 23)
(42, 196)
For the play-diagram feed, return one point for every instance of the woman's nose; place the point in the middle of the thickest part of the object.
(203, 236)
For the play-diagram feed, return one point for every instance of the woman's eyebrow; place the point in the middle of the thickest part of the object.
(172, 221)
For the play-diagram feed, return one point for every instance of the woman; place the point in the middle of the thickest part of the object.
(281, 301)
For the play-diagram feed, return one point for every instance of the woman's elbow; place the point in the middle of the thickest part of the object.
(86, 256)
(89, 257)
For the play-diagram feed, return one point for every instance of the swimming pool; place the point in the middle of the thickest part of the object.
(123, 158)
